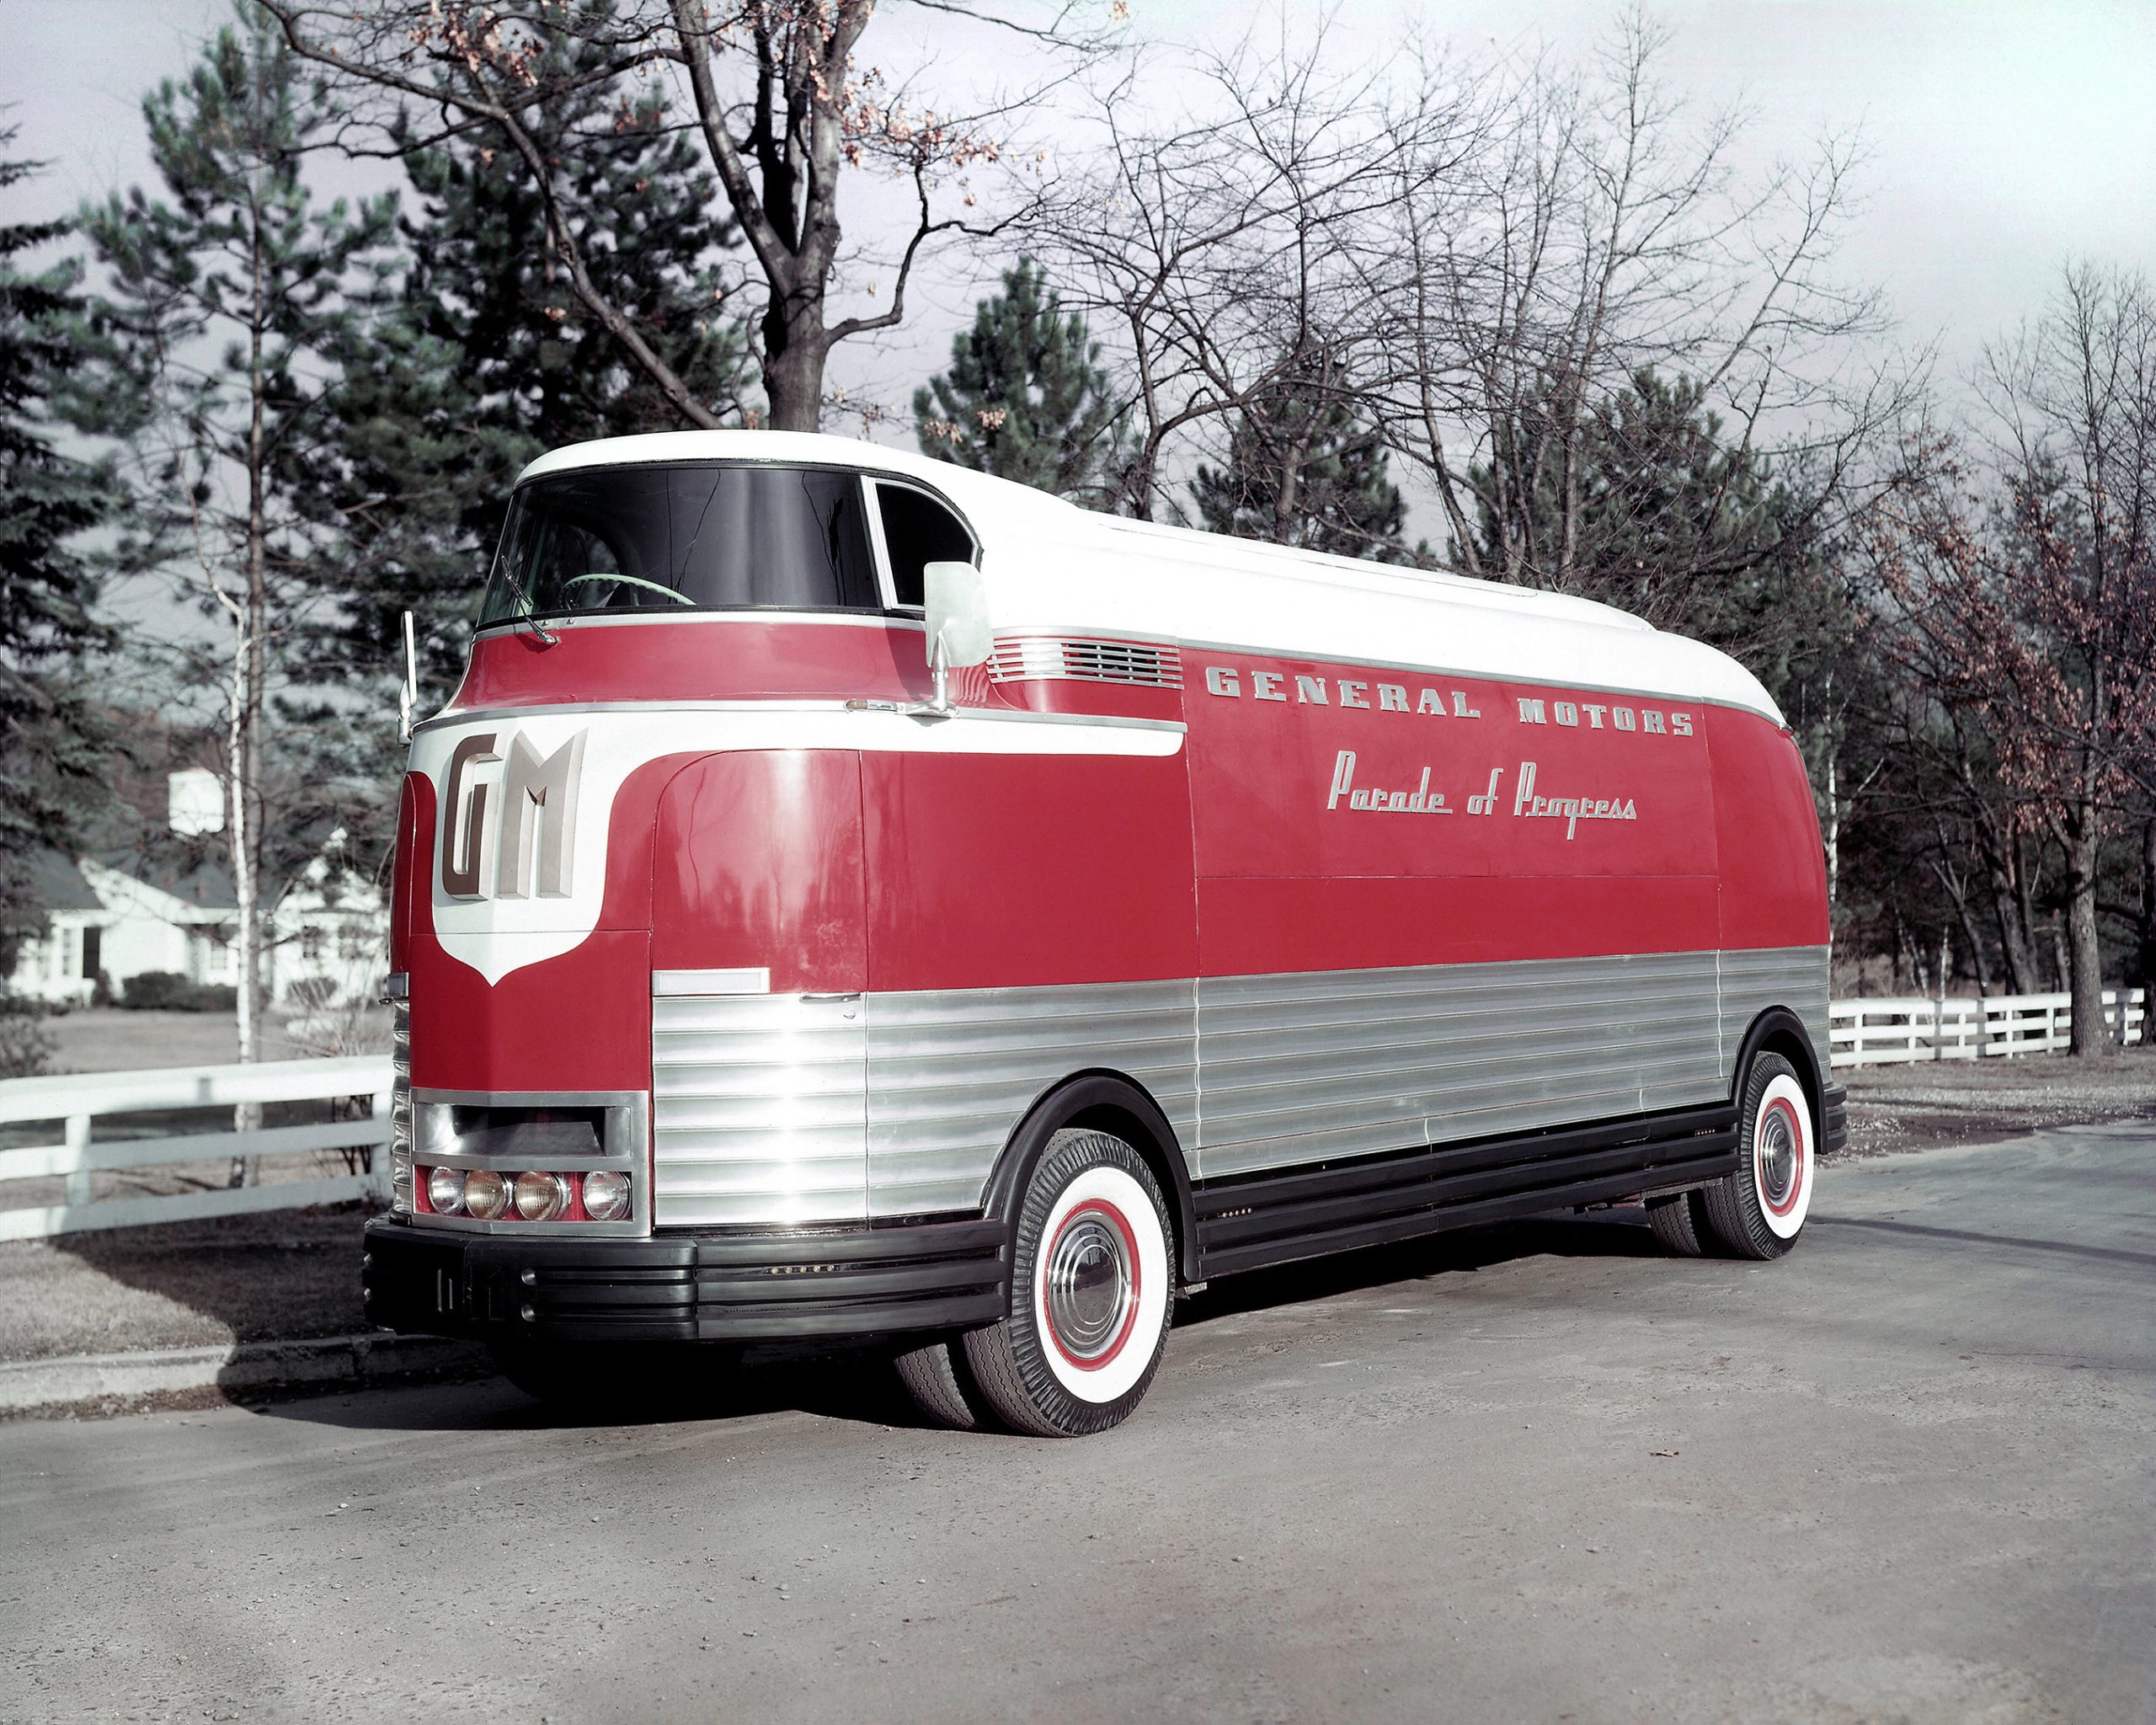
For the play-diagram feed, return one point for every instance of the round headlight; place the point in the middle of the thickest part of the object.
(486, 1194)
(540, 1198)
(605, 1194)
(445, 1190)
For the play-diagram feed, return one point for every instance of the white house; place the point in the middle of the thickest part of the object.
(123, 914)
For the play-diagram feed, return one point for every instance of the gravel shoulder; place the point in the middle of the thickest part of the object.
(1932, 1104)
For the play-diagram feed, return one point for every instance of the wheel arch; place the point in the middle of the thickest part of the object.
(1778, 1030)
(1109, 1102)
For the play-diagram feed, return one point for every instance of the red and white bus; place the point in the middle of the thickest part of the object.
(850, 896)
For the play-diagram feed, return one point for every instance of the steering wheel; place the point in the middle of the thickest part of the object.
(633, 581)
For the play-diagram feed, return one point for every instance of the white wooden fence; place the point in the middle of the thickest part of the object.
(1876, 1033)
(1863, 1033)
(79, 1101)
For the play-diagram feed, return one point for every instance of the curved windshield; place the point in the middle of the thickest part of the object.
(682, 538)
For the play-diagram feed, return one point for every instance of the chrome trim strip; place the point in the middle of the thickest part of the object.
(786, 1108)
(1013, 715)
(1189, 647)
(745, 980)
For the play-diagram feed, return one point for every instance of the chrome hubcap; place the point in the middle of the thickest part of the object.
(1088, 1286)
(1778, 1157)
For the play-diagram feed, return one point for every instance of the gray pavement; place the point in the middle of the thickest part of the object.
(1532, 1473)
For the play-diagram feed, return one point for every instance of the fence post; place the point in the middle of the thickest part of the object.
(78, 1175)
(378, 1155)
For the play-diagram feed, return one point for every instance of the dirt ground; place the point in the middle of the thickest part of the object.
(1932, 1103)
(296, 1274)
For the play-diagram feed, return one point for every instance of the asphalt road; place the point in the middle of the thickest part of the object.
(1534, 1473)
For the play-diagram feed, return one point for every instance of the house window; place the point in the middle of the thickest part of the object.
(311, 945)
(93, 953)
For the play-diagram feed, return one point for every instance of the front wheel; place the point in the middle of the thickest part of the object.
(1757, 1211)
(1090, 1292)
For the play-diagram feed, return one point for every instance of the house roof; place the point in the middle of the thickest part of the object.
(205, 883)
(56, 883)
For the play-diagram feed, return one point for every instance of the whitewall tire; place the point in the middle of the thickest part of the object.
(1092, 1291)
(1757, 1211)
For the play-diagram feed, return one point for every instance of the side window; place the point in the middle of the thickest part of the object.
(918, 530)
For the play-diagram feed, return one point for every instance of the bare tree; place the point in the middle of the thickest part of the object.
(781, 100)
(2027, 587)
(1600, 232)
(1227, 249)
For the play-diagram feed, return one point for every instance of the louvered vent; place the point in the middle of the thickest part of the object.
(1050, 659)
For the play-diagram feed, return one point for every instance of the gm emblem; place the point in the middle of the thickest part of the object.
(535, 850)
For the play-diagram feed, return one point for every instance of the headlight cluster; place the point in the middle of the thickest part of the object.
(535, 1195)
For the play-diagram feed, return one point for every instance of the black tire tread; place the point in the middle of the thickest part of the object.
(934, 1379)
(1005, 1359)
(1674, 1225)
(1729, 1209)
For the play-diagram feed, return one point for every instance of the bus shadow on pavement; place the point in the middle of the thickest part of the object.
(856, 1385)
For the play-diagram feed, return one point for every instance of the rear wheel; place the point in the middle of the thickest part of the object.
(1090, 1292)
(1757, 1211)
(939, 1383)
(1675, 1222)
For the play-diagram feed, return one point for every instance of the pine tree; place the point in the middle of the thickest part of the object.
(487, 360)
(230, 300)
(1306, 469)
(54, 746)
(1026, 397)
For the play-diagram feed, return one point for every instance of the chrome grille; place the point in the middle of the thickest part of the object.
(759, 1110)
(400, 1105)
(1050, 659)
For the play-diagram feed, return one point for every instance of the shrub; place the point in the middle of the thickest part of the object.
(24, 1048)
(169, 991)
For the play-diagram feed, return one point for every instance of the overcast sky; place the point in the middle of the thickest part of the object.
(2006, 135)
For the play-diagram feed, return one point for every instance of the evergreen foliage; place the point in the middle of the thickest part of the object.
(230, 301)
(486, 359)
(1306, 469)
(54, 747)
(1026, 397)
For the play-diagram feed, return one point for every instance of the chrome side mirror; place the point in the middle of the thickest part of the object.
(958, 632)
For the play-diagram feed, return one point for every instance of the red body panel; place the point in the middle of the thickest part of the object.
(991, 871)
(1244, 853)
(1774, 866)
(759, 861)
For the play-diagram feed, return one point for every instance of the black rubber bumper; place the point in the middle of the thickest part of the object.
(762, 1286)
(1835, 1119)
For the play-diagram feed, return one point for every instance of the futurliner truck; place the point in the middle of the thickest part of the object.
(853, 898)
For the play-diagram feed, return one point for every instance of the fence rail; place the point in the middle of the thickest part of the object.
(78, 1102)
(1878, 1032)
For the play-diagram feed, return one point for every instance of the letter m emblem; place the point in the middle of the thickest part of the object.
(538, 835)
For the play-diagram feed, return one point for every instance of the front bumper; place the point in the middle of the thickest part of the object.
(1834, 1119)
(763, 1285)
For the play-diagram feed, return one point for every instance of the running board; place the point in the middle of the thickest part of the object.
(1248, 1223)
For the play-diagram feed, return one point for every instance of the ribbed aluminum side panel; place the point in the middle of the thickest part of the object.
(1795, 977)
(758, 1109)
(1301, 1068)
(951, 1072)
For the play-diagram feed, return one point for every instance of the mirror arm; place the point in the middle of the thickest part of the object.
(408, 696)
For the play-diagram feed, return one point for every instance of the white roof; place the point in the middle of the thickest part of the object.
(1049, 565)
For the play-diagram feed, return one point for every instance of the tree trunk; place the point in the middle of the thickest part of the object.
(793, 363)
(246, 840)
(2148, 965)
(2092, 1036)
